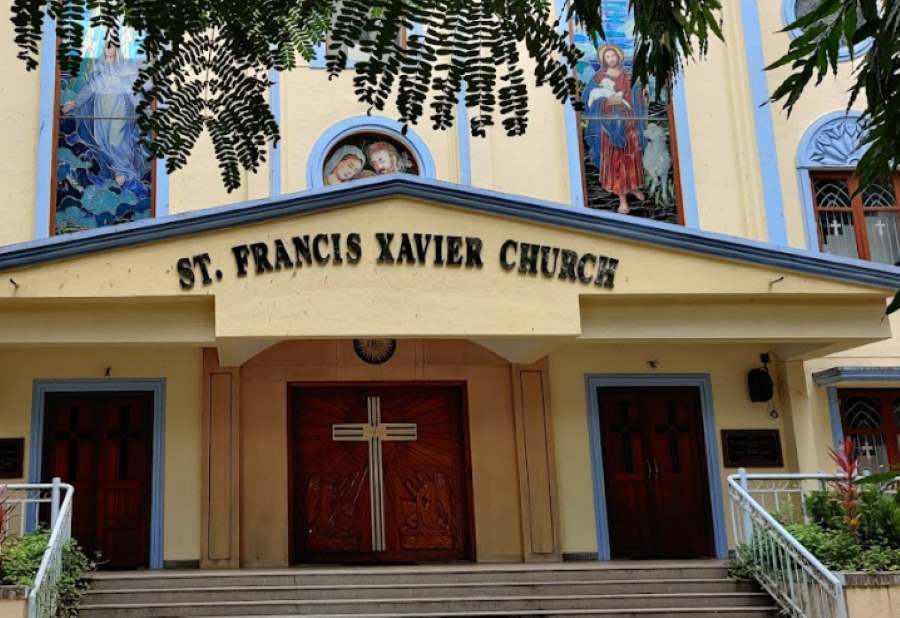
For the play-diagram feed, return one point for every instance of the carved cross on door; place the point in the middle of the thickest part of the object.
(375, 432)
(73, 436)
(672, 428)
(123, 434)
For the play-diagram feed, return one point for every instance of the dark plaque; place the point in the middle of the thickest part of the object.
(12, 451)
(752, 448)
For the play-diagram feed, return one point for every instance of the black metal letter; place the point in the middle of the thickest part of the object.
(319, 257)
(282, 259)
(473, 252)
(384, 244)
(203, 261)
(584, 259)
(301, 250)
(185, 273)
(336, 249)
(405, 254)
(528, 258)
(505, 264)
(261, 257)
(606, 272)
(241, 255)
(354, 248)
(454, 244)
(567, 264)
(423, 241)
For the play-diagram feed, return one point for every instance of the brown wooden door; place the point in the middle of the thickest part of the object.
(423, 482)
(101, 443)
(657, 497)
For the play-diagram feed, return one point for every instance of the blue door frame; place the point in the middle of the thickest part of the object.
(701, 381)
(157, 386)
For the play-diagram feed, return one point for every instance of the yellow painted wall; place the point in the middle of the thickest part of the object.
(20, 95)
(13, 608)
(181, 367)
(727, 366)
(876, 601)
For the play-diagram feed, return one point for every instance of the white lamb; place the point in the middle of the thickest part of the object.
(657, 163)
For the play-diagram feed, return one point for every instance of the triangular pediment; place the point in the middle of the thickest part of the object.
(415, 258)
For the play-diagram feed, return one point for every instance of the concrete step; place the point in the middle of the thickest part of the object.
(107, 596)
(422, 606)
(727, 612)
(409, 575)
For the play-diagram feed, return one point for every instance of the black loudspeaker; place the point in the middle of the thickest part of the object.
(759, 382)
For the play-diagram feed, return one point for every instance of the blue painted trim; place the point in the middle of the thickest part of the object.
(155, 385)
(318, 62)
(789, 14)
(836, 375)
(689, 205)
(573, 137)
(275, 149)
(883, 277)
(462, 136)
(162, 189)
(703, 384)
(834, 417)
(45, 129)
(765, 131)
(373, 124)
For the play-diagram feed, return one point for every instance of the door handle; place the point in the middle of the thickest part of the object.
(649, 468)
(655, 469)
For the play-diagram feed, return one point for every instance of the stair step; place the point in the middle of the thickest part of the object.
(729, 612)
(399, 576)
(449, 589)
(424, 605)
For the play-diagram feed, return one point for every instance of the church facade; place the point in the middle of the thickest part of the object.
(400, 346)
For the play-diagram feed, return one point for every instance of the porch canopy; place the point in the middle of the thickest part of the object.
(407, 257)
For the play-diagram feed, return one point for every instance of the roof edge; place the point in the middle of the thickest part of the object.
(467, 198)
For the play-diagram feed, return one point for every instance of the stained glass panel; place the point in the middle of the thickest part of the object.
(626, 133)
(103, 172)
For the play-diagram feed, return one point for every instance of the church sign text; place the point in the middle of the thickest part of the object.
(392, 249)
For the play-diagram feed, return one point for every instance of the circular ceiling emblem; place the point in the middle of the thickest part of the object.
(375, 351)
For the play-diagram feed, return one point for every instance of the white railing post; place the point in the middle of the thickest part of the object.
(746, 523)
(798, 581)
(54, 501)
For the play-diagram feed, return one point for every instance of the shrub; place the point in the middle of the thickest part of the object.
(21, 558)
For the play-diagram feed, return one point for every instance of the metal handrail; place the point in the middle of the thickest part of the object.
(43, 596)
(802, 585)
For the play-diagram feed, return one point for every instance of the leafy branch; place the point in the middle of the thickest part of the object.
(209, 60)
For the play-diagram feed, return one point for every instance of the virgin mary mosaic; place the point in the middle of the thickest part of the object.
(103, 172)
(365, 155)
(625, 130)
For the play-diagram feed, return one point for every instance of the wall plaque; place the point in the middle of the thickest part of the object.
(12, 452)
(752, 448)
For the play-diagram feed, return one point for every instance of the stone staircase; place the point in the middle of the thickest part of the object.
(640, 589)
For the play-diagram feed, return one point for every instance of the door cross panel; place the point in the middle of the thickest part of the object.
(375, 432)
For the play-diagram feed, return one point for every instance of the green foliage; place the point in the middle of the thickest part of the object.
(209, 62)
(824, 511)
(21, 557)
(814, 54)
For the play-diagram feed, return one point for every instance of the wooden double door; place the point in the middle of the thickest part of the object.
(379, 473)
(102, 443)
(657, 497)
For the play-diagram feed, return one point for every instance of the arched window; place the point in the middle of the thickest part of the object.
(102, 174)
(841, 219)
(795, 9)
(364, 147)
